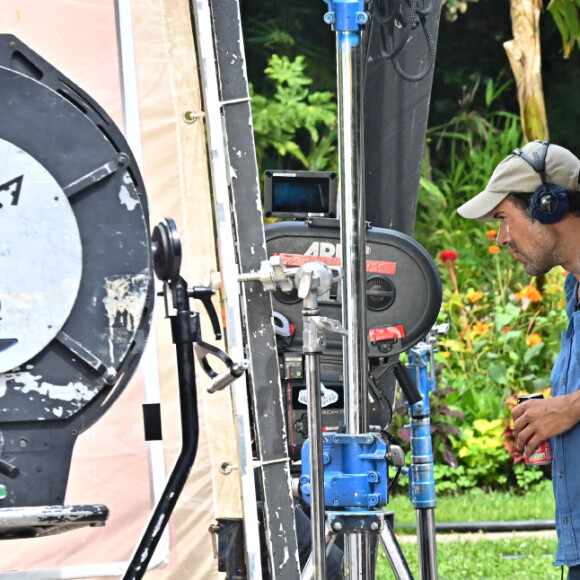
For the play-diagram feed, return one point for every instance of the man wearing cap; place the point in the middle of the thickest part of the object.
(535, 194)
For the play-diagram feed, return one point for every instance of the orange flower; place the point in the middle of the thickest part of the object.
(530, 292)
(534, 339)
(506, 329)
(480, 328)
(474, 295)
(445, 354)
(491, 235)
(494, 250)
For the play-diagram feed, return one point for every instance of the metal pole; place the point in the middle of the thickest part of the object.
(311, 279)
(317, 514)
(349, 66)
(353, 231)
(426, 543)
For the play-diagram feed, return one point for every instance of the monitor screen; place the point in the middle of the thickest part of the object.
(300, 194)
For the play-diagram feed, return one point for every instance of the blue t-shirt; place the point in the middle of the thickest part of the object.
(566, 447)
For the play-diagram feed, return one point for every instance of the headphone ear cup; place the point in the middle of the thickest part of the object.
(549, 203)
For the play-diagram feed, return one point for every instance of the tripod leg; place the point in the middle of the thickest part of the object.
(308, 570)
(394, 554)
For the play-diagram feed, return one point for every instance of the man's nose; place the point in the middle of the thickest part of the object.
(503, 234)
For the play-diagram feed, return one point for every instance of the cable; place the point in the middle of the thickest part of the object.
(394, 480)
(374, 384)
(388, 15)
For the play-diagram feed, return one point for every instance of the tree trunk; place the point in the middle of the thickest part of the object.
(526, 62)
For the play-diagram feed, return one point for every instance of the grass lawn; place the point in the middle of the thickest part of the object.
(517, 558)
(460, 559)
(476, 506)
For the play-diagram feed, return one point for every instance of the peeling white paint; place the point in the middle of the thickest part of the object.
(77, 392)
(127, 199)
(124, 300)
(286, 557)
(29, 381)
(128, 195)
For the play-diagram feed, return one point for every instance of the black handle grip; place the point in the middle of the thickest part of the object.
(8, 469)
(408, 385)
(204, 294)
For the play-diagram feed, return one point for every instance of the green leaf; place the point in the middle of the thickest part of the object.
(533, 351)
(499, 374)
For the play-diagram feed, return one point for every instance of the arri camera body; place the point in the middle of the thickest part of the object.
(403, 298)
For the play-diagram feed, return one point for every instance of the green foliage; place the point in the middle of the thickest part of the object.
(481, 452)
(292, 122)
(567, 19)
(526, 476)
(453, 8)
(298, 29)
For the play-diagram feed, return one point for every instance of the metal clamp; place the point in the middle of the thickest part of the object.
(273, 274)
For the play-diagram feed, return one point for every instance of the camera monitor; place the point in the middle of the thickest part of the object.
(299, 194)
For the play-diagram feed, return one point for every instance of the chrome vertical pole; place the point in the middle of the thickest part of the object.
(426, 544)
(310, 280)
(317, 513)
(349, 64)
(353, 230)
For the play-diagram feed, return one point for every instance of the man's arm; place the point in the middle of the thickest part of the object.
(539, 419)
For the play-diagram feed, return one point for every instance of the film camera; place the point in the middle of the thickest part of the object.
(403, 291)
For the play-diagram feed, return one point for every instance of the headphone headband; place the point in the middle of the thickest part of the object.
(538, 162)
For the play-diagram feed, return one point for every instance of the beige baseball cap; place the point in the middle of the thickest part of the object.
(515, 174)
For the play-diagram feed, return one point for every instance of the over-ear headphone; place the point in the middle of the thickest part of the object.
(550, 202)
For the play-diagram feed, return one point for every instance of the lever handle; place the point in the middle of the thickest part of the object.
(228, 376)
(408, 385)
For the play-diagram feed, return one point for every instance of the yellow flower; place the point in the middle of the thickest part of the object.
(534, 339)
(445, 354)
(494, 249)
(474, 295)
(480, 328)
